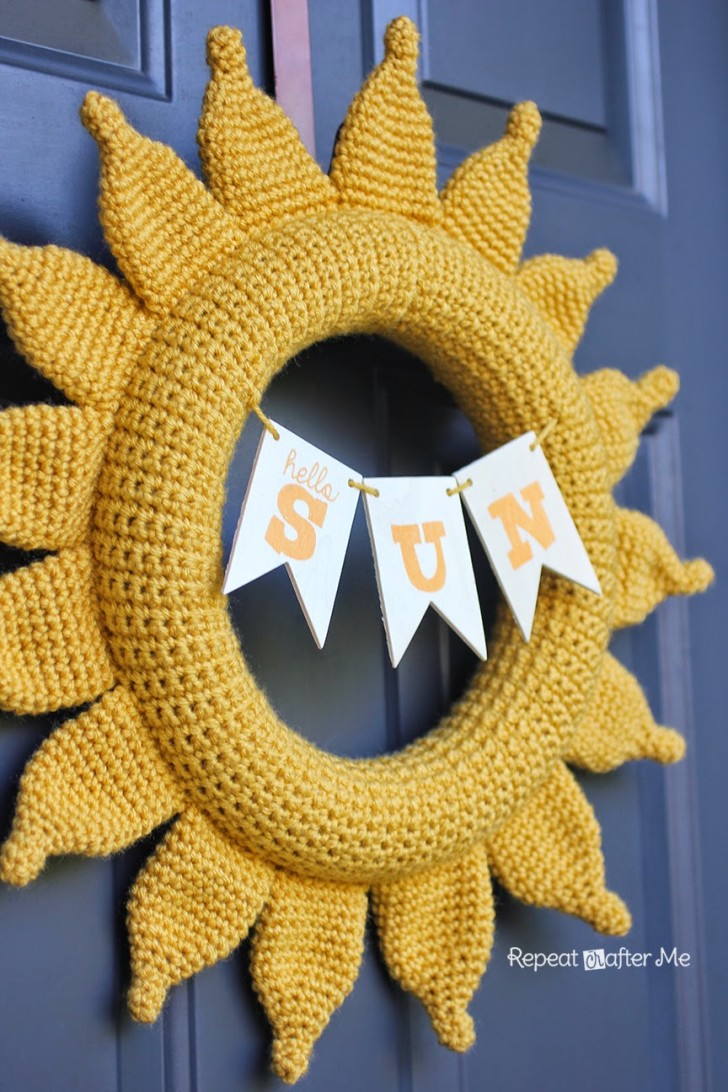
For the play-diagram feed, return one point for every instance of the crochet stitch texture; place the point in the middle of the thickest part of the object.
(222, 284)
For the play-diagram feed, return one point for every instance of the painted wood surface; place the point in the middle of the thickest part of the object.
(645, 177)
(298, 510)
(422, 559)
(524, 524)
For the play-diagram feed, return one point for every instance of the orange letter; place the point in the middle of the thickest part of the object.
(303, 545)
(537, 524)
(407, 536)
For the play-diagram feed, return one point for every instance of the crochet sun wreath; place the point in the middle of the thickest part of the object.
(220, 286)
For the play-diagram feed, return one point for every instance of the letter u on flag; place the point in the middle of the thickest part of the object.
(298, 511)
(524, 524)
(421, 557)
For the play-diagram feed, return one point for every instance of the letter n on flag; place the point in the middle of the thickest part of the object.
(421, 557)
(298, 511)
(524, 524)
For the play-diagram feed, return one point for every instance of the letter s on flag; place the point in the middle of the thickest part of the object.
(304, 525)
(302, 547)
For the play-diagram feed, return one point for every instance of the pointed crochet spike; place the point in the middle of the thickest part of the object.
(623, 407)
(549, 854)
(96, 785)
(86, 349)
(650, 570)
(254, 161)
(164, 228)
(436, 932)
(49, 462)
(385, 154)
(52, 652)
(487, 201)
(617, 726)
(563, 290)
(307, 950)
(194, 902)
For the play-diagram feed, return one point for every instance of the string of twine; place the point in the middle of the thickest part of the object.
(364, 488)
(455, 489)
(266, 423)
(543, 434)
(451, 492)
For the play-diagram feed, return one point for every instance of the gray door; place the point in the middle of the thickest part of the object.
(633, 156)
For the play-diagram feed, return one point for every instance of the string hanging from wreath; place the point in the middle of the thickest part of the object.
(220, 285)
(299, 509)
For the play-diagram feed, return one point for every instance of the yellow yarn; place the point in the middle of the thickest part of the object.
(223, 286)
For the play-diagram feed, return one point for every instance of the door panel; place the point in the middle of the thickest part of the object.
(63, 946)
(555, 59)
(114, 43)
(594, 184)
(694, 46)
(599, 178)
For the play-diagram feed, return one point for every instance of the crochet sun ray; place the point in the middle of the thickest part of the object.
(79, 795)
(564, 289)
(86, 350)
(164, 228)
(487, 202)
(650, 570)
(617, 726)
(549, 854)
(307, 950)
(46, 491)
(430, 925)
(53, 651)
(622, 407)
(385, 154)
(192, 904)
(253, 158)
(224, 285)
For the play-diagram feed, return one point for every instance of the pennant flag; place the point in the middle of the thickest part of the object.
(421, 557)
(298, 511)
(524, 524)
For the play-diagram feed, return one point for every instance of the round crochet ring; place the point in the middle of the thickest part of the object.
(222, 286)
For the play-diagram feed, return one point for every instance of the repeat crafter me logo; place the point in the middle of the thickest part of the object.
(594, 959)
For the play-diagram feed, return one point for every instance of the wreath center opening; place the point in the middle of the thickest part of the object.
(390, 418)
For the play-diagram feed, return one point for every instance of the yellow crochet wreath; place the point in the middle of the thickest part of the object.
(222, 285)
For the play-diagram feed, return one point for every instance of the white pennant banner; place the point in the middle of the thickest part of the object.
(422, 557)
(524, 524)
(297, 512)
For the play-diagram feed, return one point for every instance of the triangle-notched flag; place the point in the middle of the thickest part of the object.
(524, 524)
(298, 511)
(422, 558)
